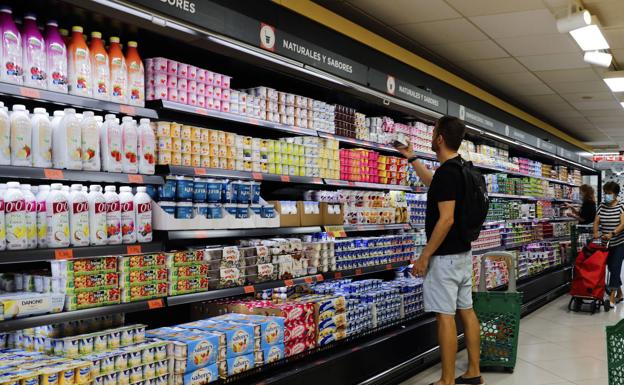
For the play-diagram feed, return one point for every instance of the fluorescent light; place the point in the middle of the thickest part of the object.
(615, 80)
(180, 27)
(598, 58)
(590, 38)
(574, 21)
(126, 9)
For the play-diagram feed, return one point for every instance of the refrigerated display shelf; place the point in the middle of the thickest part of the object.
(517, 173)
(390, 226)
(239, 233)
(515, 246)
(530, 220)
(58, 175)
(38, 255)
(67, 100)
(372, 186)
(247, 175)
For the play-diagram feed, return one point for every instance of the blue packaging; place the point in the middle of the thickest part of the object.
(201, 209)
(214, 190)
(272, 353)
(240, 364)
(239, 338)
(268, 211)
(168, 206)
(255, 192)
(200, 191)
(227, 192)
(243, 192)
(203, 375)
(242, 211)
(202, 347)
(152, 191)
(167, 191)
(214, 211)
(184, 210)
(184, 189)
(257, 209)
(231, 208)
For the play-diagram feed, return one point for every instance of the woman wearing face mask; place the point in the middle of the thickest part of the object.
(609, 226)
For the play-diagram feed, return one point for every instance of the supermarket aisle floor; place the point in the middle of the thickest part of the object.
(555, 347)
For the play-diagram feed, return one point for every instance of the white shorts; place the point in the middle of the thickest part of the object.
(448, 283)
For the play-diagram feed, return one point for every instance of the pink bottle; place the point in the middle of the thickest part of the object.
(56, 56)
(33, 54)
(12, 69)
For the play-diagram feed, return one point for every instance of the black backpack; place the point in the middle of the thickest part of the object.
(475, 203)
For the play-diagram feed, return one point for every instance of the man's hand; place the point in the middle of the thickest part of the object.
(408, 151)
(420, 266)
(607, 237)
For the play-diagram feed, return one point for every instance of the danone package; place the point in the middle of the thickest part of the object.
(13, 305)
(197, 349)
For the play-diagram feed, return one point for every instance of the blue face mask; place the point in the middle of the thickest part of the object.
(608, 198)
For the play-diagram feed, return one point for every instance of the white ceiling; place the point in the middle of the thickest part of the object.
(514, 47)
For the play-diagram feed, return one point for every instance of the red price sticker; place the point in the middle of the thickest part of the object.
(134, 249)
(30, 92)
(388, 267)
(317, 181)
(155, 303)
(64, 254)
(135, 178)
(351, 183)
(359, 228)
(358, 271)
(320, 278)
(289, 282)
(254, 121)
(249, 289)
(338, 275)
(199, 171)
(51, 173)
(128, 110)
(308, 280)
(285, 178)
(257, 175)
(201, 111)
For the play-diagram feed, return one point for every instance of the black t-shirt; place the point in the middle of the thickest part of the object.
(587, 213)
(447, 185)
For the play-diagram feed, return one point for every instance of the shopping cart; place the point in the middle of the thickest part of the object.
(499, 316)
(615, 353)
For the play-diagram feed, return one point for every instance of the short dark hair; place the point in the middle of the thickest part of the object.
(611, 187)
(452, 130)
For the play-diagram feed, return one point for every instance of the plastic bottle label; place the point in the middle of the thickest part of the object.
(35, 63)
(15, 223)
(31, 223)
(12, 69)
(5, 140)
(57, 67)
(118, 80)
(79, 223)
(43, 157)
(144, 222)
(58, 225)
(21, 137)
(42, 224)
(127, 222)
(98, 228)
(2, 227)
(113, 222)
(81, 81)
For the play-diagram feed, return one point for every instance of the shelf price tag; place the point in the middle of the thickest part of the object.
(249, 289)
(358, 271)
(320, 278)
(134, 249)
(289, 282)
(199, 171)
(51, 173)
(253, 121)
(155, 303)
(285, 178)
(64, 254)
(135, 178)
(407, 226)
(201, 111)
(308, 280)
(317, 181)
(336, 231)
(128, 110)
(257, 176)
(389, 266)
(29, 92)
(338, 275)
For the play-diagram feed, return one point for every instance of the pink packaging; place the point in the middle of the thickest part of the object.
(201, 75)
(160, 79)
(242, 97)
(182, 97)
(225, 106)
(216, 104)
(225, 81)
(201, 88)
(172, 94)
(209, 103)
(218, 80)
(172, 67)
(149, 65)
(160, 92)
(217, 93)
(192, 98)
(182, 84)
(160, 64)
(242, 108)
(225, 94)
(150, 93)
(182, 70)
(172, 81)
(201, 101)
(192, 86)
(192, 72)
(149, 80)
(209, 78)
(209, 91)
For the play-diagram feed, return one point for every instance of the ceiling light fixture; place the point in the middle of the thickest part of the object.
(574, 21)
(602, 59)
(615, 80)
(590, 38)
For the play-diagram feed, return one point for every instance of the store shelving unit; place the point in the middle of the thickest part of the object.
(52, 175)
(239, 233)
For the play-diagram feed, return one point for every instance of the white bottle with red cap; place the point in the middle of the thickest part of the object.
(113, 216)
(78, 217)
(143, 205)
(15, 217)
(30, 215)
(97, 216)
(128, 215)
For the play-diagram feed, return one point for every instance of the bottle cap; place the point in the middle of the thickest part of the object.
(76, 187)
(77, 28)
(125, 189)
(19, 107)
(114, 39)
(13, 185)
(132, 44)
(96, 35)
(141, 189)
(40, 110)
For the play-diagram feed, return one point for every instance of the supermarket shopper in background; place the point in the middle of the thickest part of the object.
(446, 260)
(587, 212)
(609, 226)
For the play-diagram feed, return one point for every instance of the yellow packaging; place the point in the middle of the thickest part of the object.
(270, 145)
(163, 129)
(83, 373)
(247, 142)
(203, 135)
(240, 164)
(176, 158)
(164, 157)
(174, 129)
(246, 165)
(186, 159)
(222, 163)
(204, 161)
(49, 376)
(185, 133)
(195, 160)
(67, 375)
(165, 143)
(31, 378)
(231, 164)
(213, 150)
(196, 134)
(196, 147)
(213, 136)
(214, 162)
(222, 151)
(230, 139)
(279, 169)
(176, 144)
(271, 168)
(186, 147)
(264, 168)
(221, 138)
(204, 149)
(230, 152)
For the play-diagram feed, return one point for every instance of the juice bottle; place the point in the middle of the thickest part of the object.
(78, 217)
(2, 220)
(128, 215)
(33, 54)
(65, 36)
(30, 215)
(100, 67)
(146, 147)
(136, 76)
(111, 142)
(5, 135)
(90, 142)
(42, 222)
(66, 140)
(15, 217)
(97, 216)
(56, 58)
(79, 65)
(57, 214)
(143, 204)
(12, 69)
(113, 216)
(21, 136)
(129, 141)
(118, 72)
(41, 138)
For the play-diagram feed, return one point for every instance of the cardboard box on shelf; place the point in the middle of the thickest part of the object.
(332, 213)
(289, 213)
(310, 213)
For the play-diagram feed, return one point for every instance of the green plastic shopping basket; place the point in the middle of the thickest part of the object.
(615, 353)
(499, 316)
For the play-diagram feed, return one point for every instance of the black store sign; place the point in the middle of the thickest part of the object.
(403, 90)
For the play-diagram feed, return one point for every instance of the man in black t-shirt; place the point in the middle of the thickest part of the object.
(446, 260)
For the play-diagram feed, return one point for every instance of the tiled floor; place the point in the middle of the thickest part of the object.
(555, 347)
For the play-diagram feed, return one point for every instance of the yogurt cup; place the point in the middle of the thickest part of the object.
(200, 190)
(214, 189)
(242, 211)
(214, 211)
(231, 208)
(268, 211)
(200, 210)
(184, 188)
(184, 210)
